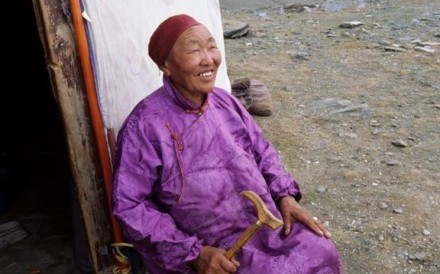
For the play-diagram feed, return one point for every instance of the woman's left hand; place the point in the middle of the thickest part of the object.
(292, 212)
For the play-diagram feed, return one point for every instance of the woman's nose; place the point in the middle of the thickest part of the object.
(207, 57)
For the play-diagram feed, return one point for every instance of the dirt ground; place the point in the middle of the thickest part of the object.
(356, 119)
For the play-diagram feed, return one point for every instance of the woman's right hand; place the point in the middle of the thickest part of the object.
(212, 260)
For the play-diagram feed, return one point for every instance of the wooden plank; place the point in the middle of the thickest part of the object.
(68, 86)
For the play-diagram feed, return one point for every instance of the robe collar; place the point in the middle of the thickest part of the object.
(182, 102)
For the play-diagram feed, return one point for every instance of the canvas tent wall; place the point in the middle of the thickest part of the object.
(122, 75)
(120, 31)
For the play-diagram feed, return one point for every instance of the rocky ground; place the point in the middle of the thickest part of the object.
(356, 118)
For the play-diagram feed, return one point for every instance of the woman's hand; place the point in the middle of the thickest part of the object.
(212, 260)
(292, 212)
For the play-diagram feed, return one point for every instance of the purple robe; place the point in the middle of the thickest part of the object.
(179, 171)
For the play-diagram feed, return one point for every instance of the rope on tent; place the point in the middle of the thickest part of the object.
(121, 258)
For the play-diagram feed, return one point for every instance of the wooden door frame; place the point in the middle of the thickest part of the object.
(63, 65)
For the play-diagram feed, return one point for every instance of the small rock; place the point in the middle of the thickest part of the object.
(430, 44)
(398, 210)
(383, 205)
(348, 135)
(344, 103)
(400, 256)
(301, 56)
(407, 45)
(376, 131)
(420, 256)
(351, 24)
(384, 42)
(416, 41)
(425, 49)
(299, 8)
(346, 34)
(396, 49)
(321, 189)
(374, 123)
(287, 88)
(393, 162)
(415, 21)
(399, 143)
(236, 31)
(426, 232)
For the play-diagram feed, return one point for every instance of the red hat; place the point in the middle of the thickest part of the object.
(166, 34)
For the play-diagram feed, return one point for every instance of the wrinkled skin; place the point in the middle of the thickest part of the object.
(193, 63)
(292, 212)
(212, 260)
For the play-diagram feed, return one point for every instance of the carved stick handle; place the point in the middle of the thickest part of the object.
(243, 239)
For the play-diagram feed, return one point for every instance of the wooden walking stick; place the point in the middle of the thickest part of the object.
(265, 217)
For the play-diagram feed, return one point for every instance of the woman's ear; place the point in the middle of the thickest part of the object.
(164, 69)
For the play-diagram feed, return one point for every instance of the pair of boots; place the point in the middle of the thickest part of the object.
(254, 96)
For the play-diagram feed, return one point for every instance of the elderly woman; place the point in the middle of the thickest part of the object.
(184, 155)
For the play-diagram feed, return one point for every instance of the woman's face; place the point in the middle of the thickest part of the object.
(193, 63)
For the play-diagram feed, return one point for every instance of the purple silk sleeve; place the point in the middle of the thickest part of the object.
(137, 171)
(279, 181)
